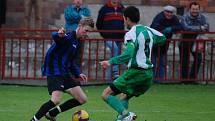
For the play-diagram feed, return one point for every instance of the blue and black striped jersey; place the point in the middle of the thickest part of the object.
(60, 57)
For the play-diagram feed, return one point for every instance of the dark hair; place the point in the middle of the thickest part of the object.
(132, 13)
(194, 3)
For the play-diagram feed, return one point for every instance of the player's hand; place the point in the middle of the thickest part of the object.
(83, 77)
(105, 64)
(61, 32)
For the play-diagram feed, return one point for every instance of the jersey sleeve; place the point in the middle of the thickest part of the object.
(74, 69)
(125, 56)
(158, 38)
(57, 39)
(129, 37)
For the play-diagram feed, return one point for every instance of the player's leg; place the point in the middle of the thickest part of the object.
(124, 99)
(72, 87)
(109, 97)
(54, 88)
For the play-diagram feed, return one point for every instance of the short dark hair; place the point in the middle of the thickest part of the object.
(194, 3)
(132, 13)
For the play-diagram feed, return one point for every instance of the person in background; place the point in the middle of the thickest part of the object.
(193, 21)
(58, 66)
(110, 17)
(73, 14)
(3, 5)
(167, 23)
(36, 6)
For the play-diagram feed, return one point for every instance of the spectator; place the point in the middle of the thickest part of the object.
(73, 14)
(2, 12)
(36, 6)
(110, 17)
(193, 21)
(167, 23)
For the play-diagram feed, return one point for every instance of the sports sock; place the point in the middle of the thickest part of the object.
(115, 104)
(43, 110)
(125, 103)
(64, 107)
(34, 119)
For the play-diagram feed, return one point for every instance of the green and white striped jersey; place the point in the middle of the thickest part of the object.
(143, 38)
(139, 41)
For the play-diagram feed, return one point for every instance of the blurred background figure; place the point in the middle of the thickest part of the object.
(73, 14)
(167, 23)
(110, 17)
(2, 12)
(193, 21)
(36, 7)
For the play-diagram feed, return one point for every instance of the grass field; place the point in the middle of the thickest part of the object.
(160, 103)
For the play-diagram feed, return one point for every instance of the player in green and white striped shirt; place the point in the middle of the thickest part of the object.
(138, 78)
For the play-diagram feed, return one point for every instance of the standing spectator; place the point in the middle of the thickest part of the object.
(110, 17)
(166, 22)
(193, 21)
(2, 12)
(36, 6)
(73, 14)
(59, 62)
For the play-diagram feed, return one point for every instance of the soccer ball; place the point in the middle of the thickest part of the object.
(80, 115)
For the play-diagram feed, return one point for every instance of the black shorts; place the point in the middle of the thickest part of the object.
(60, 83)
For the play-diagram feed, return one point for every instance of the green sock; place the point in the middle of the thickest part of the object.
(125, 103)
(115, 104)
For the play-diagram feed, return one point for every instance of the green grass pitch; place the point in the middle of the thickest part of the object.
(160, 103)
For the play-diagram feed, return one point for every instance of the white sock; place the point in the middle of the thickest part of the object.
(35, 119)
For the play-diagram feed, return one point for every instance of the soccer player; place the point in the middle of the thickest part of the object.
(59, 63)
(138, 78)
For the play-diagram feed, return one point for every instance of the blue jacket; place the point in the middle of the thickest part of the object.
(73, 16)
(160, 23)
(60, 57)
(111, 18)
(192, 24)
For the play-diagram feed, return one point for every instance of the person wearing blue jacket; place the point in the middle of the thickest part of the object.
(193, 21)
(73, 14)
(58, 66)
(167, 23)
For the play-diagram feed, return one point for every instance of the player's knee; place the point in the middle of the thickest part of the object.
(104, 96)
(56, 102)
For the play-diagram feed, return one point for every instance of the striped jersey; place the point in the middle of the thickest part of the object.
(59, 59)
(143, 38)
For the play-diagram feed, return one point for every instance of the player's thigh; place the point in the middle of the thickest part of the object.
(77, 93)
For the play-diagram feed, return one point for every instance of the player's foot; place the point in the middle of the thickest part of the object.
(118, 118)
(51, 118)
(130, 117)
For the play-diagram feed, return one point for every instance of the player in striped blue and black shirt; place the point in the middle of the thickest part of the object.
(59, 64)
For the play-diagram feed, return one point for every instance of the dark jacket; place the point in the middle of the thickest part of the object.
(111, 18)
(160, 23)
(60, 57)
